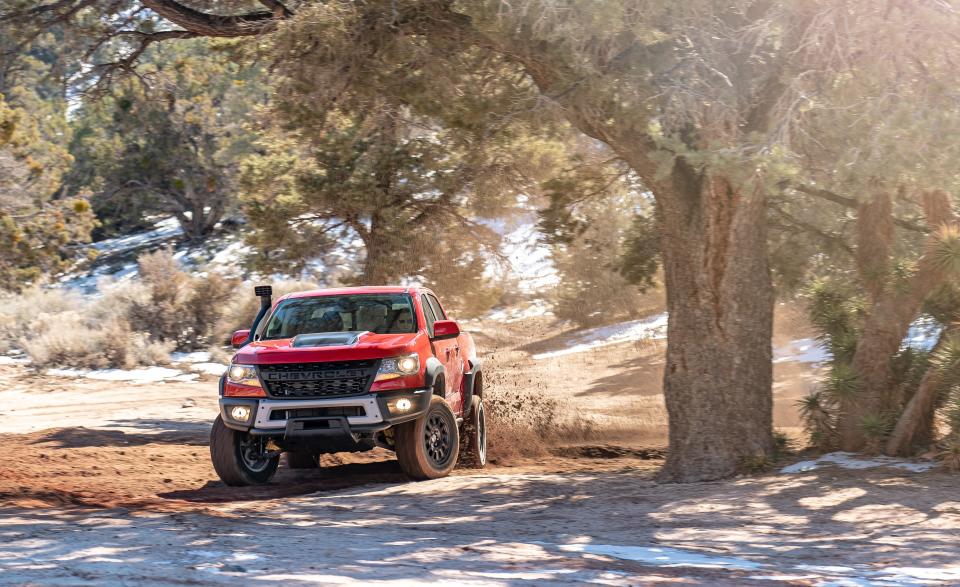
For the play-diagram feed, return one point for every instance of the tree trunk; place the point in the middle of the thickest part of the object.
(718, 377)
(914, 427)
(886, 325)
(378, 266)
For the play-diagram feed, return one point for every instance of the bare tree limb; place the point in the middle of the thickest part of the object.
(849, 202)
(278, 8)
(215, 25)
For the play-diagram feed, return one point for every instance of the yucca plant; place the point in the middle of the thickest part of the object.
(816, 413)
(876, 428)
(842, 383)
(782, 445)
(836, 312)
(756, 464)
(946, 248)
(949, 454)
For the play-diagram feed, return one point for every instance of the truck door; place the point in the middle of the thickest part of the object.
(447, 352)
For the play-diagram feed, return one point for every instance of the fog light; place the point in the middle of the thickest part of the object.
(403, 404)
(240, 413)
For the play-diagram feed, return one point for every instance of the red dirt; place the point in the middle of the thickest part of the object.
(172, 471)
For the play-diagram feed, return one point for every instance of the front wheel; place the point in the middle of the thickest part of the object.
(427, 448)
(238, 457)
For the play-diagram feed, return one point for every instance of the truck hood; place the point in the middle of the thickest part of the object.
(367, 345)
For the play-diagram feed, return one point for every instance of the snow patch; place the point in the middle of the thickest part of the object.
(7, 360)
(804, 350)
(209, 368)
(529, 259)
(923, 334)
(194, 357)
(534, 309)
(523, 255)
(856, 462)
(661, 556)
(142, 375)
(651, 328)
(163, 230)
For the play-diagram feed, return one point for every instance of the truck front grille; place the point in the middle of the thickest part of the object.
(306, 380)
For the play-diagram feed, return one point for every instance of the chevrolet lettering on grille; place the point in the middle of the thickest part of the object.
(313, 375)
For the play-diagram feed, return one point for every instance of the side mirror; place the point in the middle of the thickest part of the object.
(239, 338)
(445, 329)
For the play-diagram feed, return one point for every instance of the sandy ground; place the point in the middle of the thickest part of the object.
(100, 487)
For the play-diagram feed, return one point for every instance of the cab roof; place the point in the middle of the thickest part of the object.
(366, 289)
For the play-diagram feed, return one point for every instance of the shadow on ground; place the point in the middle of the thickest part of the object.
(289, 483)
(830, 525)
(153, 432)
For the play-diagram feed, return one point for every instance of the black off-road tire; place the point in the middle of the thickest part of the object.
(428, 447)
(473, 437)
(227, 453)
(302, 460)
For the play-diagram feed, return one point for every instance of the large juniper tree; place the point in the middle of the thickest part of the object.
(39, 220)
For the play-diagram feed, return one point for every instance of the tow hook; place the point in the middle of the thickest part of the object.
(271, 448)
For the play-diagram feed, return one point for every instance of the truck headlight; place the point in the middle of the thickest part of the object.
(243, 375)
(398, 367)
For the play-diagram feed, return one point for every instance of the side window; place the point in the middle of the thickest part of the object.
(428, 314)
(437, 310)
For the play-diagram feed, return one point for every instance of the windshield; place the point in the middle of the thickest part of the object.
(379, 313)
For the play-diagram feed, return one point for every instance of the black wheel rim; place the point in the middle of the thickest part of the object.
(437, 441)
(251, 453)
(481, 435)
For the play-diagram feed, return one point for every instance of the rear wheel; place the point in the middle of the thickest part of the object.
(473, 451)
(238, 457)
(427, 448)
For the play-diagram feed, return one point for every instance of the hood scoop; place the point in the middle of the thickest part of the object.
(327, 339)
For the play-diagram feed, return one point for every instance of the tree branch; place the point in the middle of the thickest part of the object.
(278, 9)
(848, 202)
(215, 25)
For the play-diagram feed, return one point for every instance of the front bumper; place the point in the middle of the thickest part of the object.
(342, 416)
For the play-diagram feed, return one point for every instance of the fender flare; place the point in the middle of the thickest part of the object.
(433, 370)
(469, 379)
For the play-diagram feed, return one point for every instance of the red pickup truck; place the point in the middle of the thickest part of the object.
(349, 369)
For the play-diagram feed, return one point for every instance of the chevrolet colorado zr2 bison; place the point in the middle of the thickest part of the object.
(349, 369)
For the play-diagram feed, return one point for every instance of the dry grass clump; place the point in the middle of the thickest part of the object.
(17, 311)
(131, 323)
(949, 454)
(68, 339)
(526, 425)
(173, 306)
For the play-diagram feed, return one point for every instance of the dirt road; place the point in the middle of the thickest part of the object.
(110, 483)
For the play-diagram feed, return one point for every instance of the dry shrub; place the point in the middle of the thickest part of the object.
(949, 454)
(525, 424)
(17, 311)
(68, 339)
(175, 307)
(129, 324)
